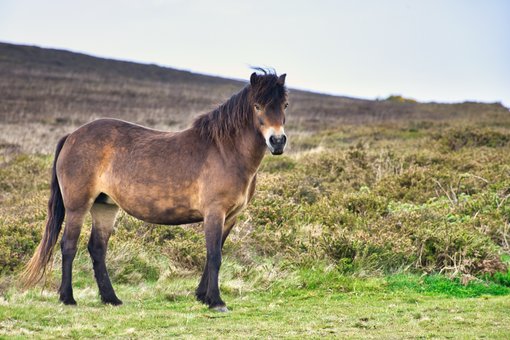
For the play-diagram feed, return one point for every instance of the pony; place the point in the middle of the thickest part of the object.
(206, 173)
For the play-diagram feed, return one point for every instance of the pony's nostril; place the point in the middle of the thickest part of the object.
(272, 140)
(284, 139)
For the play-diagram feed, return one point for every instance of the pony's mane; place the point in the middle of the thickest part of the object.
(225, 122)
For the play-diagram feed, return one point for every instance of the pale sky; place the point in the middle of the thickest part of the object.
(441, 50)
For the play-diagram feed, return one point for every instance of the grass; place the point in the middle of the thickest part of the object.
(340, 306)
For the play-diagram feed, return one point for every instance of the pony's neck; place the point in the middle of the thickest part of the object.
(252, 147)
(247, 151)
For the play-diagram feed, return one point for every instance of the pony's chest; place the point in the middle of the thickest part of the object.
(243, 198)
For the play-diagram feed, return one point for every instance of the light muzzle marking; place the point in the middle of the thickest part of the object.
(271, 131)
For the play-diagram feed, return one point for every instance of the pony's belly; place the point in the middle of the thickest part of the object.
(159, 211)
(175, 216)
(169, 216)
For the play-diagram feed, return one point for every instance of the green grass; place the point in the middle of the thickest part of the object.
(308, 305)
(438, 284)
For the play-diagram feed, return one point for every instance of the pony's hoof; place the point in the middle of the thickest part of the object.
(201, 297)
(220, 309)
(113, 302)
(68, 302)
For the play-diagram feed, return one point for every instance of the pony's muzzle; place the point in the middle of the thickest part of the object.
(277, 144)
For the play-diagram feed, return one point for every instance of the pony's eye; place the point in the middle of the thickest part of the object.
(257, 107)
(286, 105)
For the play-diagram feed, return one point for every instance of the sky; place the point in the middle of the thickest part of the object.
(429, 50)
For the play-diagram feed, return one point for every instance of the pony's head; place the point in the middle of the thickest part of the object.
(268, 97)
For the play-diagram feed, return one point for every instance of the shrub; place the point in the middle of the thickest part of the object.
(382, 203)
(399, 99)
(467, 137)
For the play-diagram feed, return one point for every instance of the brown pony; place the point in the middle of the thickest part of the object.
(205, 173)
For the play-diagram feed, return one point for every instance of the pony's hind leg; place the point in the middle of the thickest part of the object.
(103, 220)
(68, 245)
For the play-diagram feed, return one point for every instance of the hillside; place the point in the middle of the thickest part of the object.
(49, 92)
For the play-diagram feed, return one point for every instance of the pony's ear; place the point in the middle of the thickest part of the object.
(254, 79)
(281, 79)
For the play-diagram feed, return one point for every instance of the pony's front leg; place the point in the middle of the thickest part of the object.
(202, 286)
(213, 227)
(204, 281)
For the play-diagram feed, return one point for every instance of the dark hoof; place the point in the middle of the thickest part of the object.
(220, 309)
(201, 297)
(68, 301)
(113, 302)
(213, 303)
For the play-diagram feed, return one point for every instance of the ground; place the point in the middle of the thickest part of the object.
(373, 308)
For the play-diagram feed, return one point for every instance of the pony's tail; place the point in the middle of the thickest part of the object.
(36, 268)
